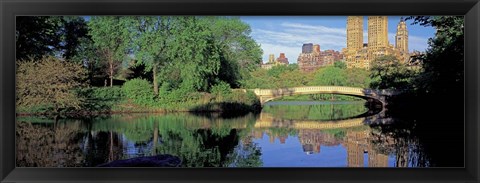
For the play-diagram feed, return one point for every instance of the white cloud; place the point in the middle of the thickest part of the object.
(315, 28)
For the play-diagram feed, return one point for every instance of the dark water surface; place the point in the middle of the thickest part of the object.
(285, 134)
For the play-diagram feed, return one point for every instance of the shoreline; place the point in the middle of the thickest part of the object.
(120, 112)
(166, 111)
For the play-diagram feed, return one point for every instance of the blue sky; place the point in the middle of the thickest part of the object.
(286, 34)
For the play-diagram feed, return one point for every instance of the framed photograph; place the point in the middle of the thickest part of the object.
(239, 91)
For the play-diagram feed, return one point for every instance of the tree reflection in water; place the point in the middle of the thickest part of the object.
(55, 145)
(213, 141)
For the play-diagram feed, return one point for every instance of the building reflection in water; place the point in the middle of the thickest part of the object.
(358, 141)
(358, 144)
(361, 150)
(311, 140)
(203, 141)
(363, 146)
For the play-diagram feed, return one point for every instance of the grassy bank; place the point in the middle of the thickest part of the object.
(112, 100)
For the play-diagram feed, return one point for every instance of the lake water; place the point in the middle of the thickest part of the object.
(285, 134)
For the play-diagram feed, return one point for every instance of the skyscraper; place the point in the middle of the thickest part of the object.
(401, 39)
(271, 58)
(354, 32)
(360, 55)
(353, 56)
(282, 59)
(307, 48)
(377, 32)
(316, 48)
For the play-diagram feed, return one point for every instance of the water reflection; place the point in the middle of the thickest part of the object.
(287, 135)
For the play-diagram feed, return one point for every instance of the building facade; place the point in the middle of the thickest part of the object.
(330, 56)
(360, 55)
(311, 60)
(281, 60)
(307, 48)
(377, 32)
(354, 32)
(401, 40)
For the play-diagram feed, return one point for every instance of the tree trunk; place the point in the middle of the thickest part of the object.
(155, 138)
(111, 73)
(110, 157)
(55, 124)
(90, 74)
(155, 82)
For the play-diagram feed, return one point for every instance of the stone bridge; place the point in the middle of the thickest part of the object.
(268, 121)
(266, 95)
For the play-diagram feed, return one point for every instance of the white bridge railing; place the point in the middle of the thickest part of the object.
(322, 89)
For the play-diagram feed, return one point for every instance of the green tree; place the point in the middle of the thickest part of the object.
(387, 72)
(275, 71)
(444, 59)
(196, 55)
(277, 77)
(293, 78)
(357, 77)
(240, 54)
(221, 90)
(259, 79)
(330, 76)
(111, 39)
(150, 36)
(74, 35)
(138, 90)
(87, 55)
(340, 64)
(49, 83)
(37, 36)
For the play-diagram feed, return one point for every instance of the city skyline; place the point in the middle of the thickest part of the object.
(281, 34)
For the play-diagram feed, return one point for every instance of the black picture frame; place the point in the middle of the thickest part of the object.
(10, 8)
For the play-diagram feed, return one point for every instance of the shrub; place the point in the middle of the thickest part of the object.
(139, 90)
(176, 95)
(114, 93)
(49, 82)
(164, 89)
(221, 91)
(252, 98)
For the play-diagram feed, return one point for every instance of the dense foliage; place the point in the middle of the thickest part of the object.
(182, 57)
(38, 36)
(282, 76)
(388, 72)
(444, 60)
(139, 90)
(291, 76)
(111, 41)
(49, 83)
(442, 69)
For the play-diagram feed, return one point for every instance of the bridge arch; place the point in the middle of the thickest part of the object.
(267, 120)
(267, 99)
(266, 95)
